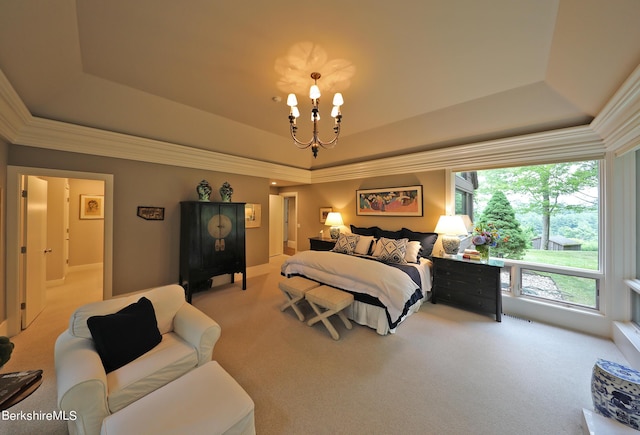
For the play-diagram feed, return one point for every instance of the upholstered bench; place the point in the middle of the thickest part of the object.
(207, 400)
(327, 301)
(294, 289)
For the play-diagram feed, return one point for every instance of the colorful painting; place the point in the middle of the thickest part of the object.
(393, 201)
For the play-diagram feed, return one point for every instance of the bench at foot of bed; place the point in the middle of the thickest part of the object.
(327, 301)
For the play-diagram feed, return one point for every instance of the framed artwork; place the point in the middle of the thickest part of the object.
(91, 206)
(324, 212)
(391, 201)
(151, 213)
(252, 215)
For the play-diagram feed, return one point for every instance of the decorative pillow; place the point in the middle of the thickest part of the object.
(413, 250)
(364, 245)
(391, 250)
(124, 336)
(397, 235)
(346, 243)
(371, 231)
(427, 240)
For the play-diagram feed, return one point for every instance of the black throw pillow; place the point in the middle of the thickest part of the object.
(427, 240)
(361, 231)
(124, 336)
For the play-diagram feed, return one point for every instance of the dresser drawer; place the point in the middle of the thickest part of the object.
(469, 301)
(482, 289)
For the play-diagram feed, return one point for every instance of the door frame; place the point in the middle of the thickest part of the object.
(293, 195)
(14, 214)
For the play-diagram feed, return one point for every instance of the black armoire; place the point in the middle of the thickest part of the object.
(212, 242)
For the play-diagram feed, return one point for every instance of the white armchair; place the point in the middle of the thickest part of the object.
(188, 338)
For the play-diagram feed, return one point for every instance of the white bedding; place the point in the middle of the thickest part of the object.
(390, 285)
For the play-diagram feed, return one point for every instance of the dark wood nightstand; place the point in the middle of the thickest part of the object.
(468, 284)
(318, 244)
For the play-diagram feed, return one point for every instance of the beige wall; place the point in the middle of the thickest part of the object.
(146, 253)
(86, 236)
(341, 196)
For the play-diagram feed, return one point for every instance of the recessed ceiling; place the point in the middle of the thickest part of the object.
(423, 74)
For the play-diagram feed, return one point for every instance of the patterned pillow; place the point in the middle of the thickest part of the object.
(346, 243)
(392, 250)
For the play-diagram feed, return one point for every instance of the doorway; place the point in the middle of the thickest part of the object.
(17, 270)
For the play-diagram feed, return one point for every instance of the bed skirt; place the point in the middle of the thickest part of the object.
(375, 317)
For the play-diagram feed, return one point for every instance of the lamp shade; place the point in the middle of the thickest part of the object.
(334, 219)
(452, 225)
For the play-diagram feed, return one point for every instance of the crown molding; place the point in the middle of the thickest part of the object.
(565, 144)
(619, 121)
(616, 128)
(14, 115)
(61, 136)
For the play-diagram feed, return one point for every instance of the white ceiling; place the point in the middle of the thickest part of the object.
(425, 74)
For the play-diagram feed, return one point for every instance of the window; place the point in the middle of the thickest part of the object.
(549, 219)
(466, 183)
(635, 296)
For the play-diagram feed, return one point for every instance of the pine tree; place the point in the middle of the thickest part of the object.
(499, 212)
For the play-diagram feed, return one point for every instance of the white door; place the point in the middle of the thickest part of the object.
(276, 222)
(35, 241)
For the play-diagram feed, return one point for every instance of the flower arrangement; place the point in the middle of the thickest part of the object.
(487, 235)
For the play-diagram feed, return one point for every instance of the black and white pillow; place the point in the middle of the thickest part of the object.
(346, 243)
(391, 250)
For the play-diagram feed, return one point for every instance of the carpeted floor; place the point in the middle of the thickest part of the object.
(446, 371)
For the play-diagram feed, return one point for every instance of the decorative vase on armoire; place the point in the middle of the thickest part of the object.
(212, 243)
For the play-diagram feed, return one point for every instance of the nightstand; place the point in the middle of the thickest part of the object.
(321, 244)
(468, 284)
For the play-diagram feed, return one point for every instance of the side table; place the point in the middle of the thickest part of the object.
(321, 244)
(468, 284)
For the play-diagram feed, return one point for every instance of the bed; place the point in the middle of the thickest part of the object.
(388, 284)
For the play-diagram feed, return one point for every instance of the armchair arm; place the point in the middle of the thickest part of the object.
(82, 383)
(198, 329)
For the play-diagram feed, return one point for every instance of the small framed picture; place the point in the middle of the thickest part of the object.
(252, 215)
(324, 212)
(91, 206)
(151, 213)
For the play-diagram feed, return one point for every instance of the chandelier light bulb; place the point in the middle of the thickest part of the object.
(335, 111)
(314, 92)
(292, 100)
(337, 99)
(295, 112)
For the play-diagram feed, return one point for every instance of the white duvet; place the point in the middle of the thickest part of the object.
(390, 285)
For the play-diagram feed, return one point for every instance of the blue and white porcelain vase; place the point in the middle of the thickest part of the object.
(615, 390)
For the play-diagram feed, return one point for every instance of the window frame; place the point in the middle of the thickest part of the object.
(516, 266)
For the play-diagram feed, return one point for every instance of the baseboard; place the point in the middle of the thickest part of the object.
(55, 282)
(81, 267)
(4, 329)
(292, 244)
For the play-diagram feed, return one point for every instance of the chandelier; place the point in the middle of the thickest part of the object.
(294, 113)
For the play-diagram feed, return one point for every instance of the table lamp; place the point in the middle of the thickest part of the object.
(451, 227)
(334, 220)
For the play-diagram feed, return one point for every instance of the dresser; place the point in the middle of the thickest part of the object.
(321, 244)
(468, 284)
(212, 243)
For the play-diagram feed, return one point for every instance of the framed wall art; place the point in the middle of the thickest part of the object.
(324, 212)
(151, 213)
(252, 215)
(390, 201)
(91, 206)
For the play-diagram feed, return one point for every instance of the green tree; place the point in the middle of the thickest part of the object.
(546, 185)
(512, 243)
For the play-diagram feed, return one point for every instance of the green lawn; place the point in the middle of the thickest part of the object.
(571, 289)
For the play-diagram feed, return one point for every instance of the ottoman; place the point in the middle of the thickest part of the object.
(615, 390)
(207, 400)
